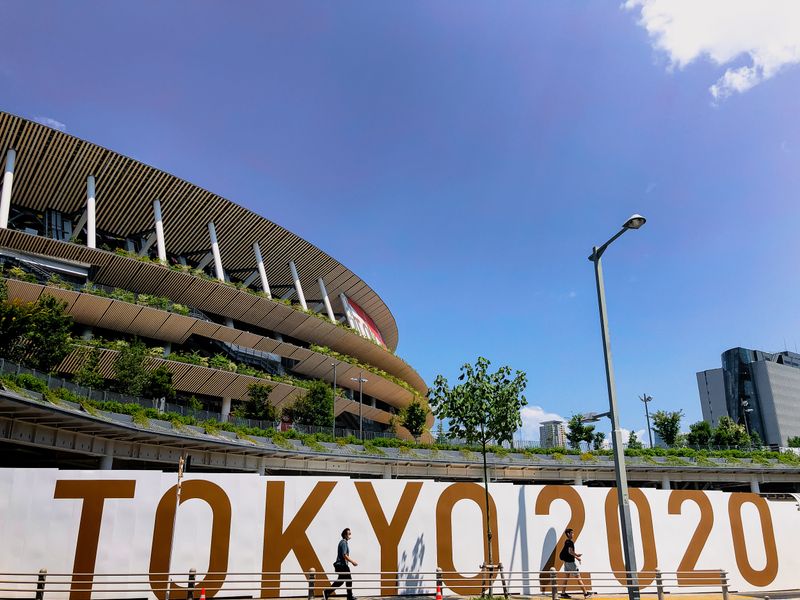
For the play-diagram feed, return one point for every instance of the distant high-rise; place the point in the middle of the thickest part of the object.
(552, 434)
(760, 390)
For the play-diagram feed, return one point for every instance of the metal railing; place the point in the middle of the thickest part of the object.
(488, 580)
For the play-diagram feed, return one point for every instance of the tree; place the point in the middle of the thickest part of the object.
(257, 404)
(129, 369)
(729, 433)
(413, 417)
(89, 374)
(315, 407)
(577, 432)
(755, 439)
(633, 442)
(36, 334)
(598, 439)
(699, 434)
(667, 424)
(794, 441)
(159, 384)
(483, 407)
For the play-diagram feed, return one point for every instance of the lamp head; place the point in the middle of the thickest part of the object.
(634, 222)
(591, 417)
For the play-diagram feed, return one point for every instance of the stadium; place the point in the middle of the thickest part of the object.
(222, 299)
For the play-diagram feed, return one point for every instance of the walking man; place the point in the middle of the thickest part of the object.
(341, 567)
(569, 556)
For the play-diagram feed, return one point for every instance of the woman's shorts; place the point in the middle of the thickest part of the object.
(570, 567)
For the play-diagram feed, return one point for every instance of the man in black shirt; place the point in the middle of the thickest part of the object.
(342, 558)
(569, 556)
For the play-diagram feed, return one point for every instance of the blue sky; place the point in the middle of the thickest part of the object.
(463, 158)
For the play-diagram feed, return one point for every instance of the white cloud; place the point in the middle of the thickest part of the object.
(641, 435)
(532, 417)
(767, 34)
(51, 123)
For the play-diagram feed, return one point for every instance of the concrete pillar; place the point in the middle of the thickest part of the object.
(226, 408)
(212, 232)
(229, 322)
(5, 194)
(343, 298)
(297, 287)
(107, 461)
(262, 273)
(326, 300)
(167, 349)
(88, 333)
(160, 244)
(754, 486)
(665, 482)
(578, 480)
(91, 219)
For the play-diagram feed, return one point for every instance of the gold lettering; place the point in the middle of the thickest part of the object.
(388, 534)
(94, 494)
(766, 575)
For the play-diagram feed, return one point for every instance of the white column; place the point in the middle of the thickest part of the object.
(91, 229)
(212, 232)
(162, 247)
(5, 195)
(665, 482)
(578, 480)
(326, 300)
(262, 273)
(107, 461)
(754, 486)
(297, 286)
(343, 298)
(226, 408)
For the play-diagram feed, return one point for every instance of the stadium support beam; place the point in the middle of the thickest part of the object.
(343, 298)
(161, 245)
(754, 486)
(262, 273)
(297, 287)
(665, 482)
(91, 217)
(226, 409)
(8, 182)
(326, 300)
(107, 460)
(212, 232)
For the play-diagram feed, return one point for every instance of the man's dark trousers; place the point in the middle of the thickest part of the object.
(344, 577)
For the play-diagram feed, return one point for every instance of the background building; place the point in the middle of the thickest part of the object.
(552, 434)
(758, 389)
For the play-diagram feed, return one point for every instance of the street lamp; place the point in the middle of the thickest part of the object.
(745, 410)
(333, 427)
(361, 381)
(634, 222)
(645, 398)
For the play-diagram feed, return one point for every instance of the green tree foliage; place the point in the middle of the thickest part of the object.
(37, 334)
(633, 442)
(699, 434)
(729, 433)
(755, 439)
(315, 407)
(159, 384)
(89, 374)
(598, 439)
(578, 432)
(413, 417)
(257, 404)
(794, 441)
(667, 424)
(484, 406)
(129, 369)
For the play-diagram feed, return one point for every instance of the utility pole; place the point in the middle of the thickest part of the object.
(645, 398)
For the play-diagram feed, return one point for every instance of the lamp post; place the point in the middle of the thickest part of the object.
(645, 398)
(634, 222)
(745, 410)
(361, 381)
(333, 427)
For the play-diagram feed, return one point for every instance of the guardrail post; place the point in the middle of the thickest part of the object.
(190, 584)
(503, 579)
(439, 586)
(40, 584)
(659, 585)
(723, 575)
(553, 583)
(312, 573)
